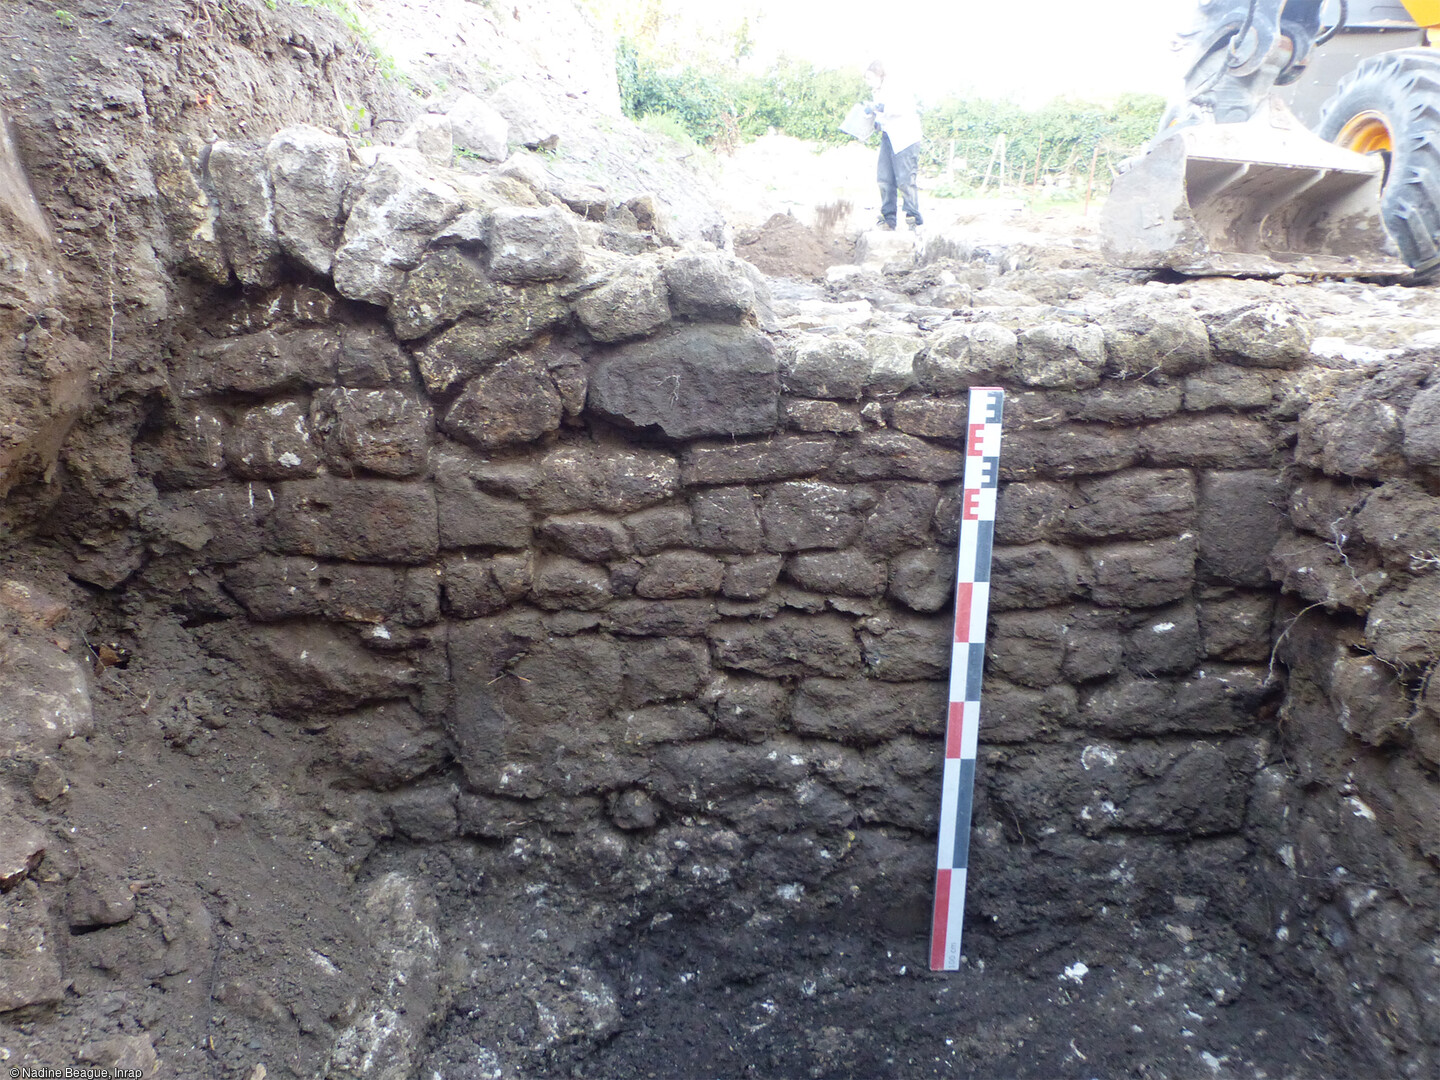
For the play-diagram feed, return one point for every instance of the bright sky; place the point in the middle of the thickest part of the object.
(1029, 50)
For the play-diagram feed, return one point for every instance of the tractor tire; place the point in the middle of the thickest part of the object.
(1390, 104)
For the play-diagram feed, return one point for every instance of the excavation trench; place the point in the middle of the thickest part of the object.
(508, 638)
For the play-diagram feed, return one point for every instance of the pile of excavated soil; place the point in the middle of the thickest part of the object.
(785, 248)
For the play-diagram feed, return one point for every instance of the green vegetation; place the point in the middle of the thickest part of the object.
(66, 18)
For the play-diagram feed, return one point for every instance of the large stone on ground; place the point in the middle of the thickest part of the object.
(29, 963)
(515, 402)
(44, 696)
(691, 382)
(244, 199)
(309, 169)
(360, 520)
(384, 431)
(531, 245)
(396, 212)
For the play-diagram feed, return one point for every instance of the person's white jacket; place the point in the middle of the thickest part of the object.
(896, 114)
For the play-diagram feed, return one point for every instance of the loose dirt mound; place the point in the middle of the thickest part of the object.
(783, 247)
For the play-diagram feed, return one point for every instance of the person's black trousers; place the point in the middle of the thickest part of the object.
(897, 175)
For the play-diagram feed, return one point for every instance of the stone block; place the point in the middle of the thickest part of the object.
(425, 814)
(477, 127)
(891, 367)
(369, 358)
(1219, 441)
(893, 455)
(1148, 338)
(818, 416)
(865, 711)
(1220, 698)
(448, 284)
(1422, 427)
(1060, 356)
(728, 520)
(929, 418)
(44, 697)
(1231, 389)
(263, 363)
(189, 452)
(358, 520)
(470, 517)
(661, 527)
(901, 518)
(1165, 642)
(923, 579)
(382, 431)
(1267, 334)
(660, 618)
(516, 402)
(1022, 714)
(838, 573)
(962, 355)
(799, 515)
(1025, 647)
(1401, 628)
(1093, 647)
(226, 522)
(561, 583)
(675, 575)
(747, 708)
(1126, 404)
(98, 896)
(1238, 523)
(29, 959)
(587, 536)
(1358, 426)
(690, 382)
(828, 367)
(1399, 519)
(900, 647)
(474, 346)
(1320, 573)
(617, 480)
(430, 134)
(397, 209)
(1026, 512)
(632, 304)
(244, 201)
(1139, 504)
(276, 588)
(22, 845)
(1237, 627)
(666, 669)
(657, 725)
(782, 457)
(1033, 576)
(479, 587)
(532, 245)
(751, 577)
(1072, 450)
(309, 170)
(710, 287)
(787, 645)
(1141, 574)
(272, 442)
(1324, 507)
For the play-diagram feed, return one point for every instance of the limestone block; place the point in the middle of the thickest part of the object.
(562, 583)
(728, 519)
(665, 669)
(587, 536)
(1165, 642)
(263, 363)
(1236, 389)
(532, 120)
(1219, 698)
(29, 964)
(632, 304)
(1071, 450)
(515, 402)
(1401, 627)
(369, 358)
(1238, 520)
(226, 522)
(1268, 334)
(1033, 576)
(188, 453)
(98, 896)
(277, 588)
(866, 711)
(923, 579)
(751, 577)
(44, 697)
(1124, 403)
(479, 128)
(397, 210)
(474, 345)
(787, 645)
(1139, 504)
(22, 845)
(1148, 338)
(309, 170)
(673, 575)
(359, 520)
(1315, 570)
(798, 515)
(892, 455)
(1399, 519)
(710, 287)
(961, 355)
(891, 367)
(929, 418)
(190, 213)
(431, 134)
(384, 431)
(272, 442)
(426, 814)
(615, 480)
(838, 573)
(531, 245)
(783, 457)
(748, 708)
(385, 745)
(690, 382)
(1021, 714)
(1237, 627)
(660, 618)
(661, 527)
(1061, 356)
(1141, 574)
(471, 517)
(478, 587)
(448, 284)
(1029, 511)
(1219, 441)
(238, 176)
(829, 366)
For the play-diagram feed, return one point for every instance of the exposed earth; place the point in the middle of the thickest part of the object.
(594, 785)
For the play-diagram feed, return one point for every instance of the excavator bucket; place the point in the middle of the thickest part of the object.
(1263, 198)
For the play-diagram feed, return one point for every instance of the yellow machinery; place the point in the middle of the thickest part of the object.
(1236, 183)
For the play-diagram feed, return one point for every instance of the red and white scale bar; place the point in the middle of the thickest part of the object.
(972, 605)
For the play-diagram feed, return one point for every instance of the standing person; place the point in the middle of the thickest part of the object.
(894, 111)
